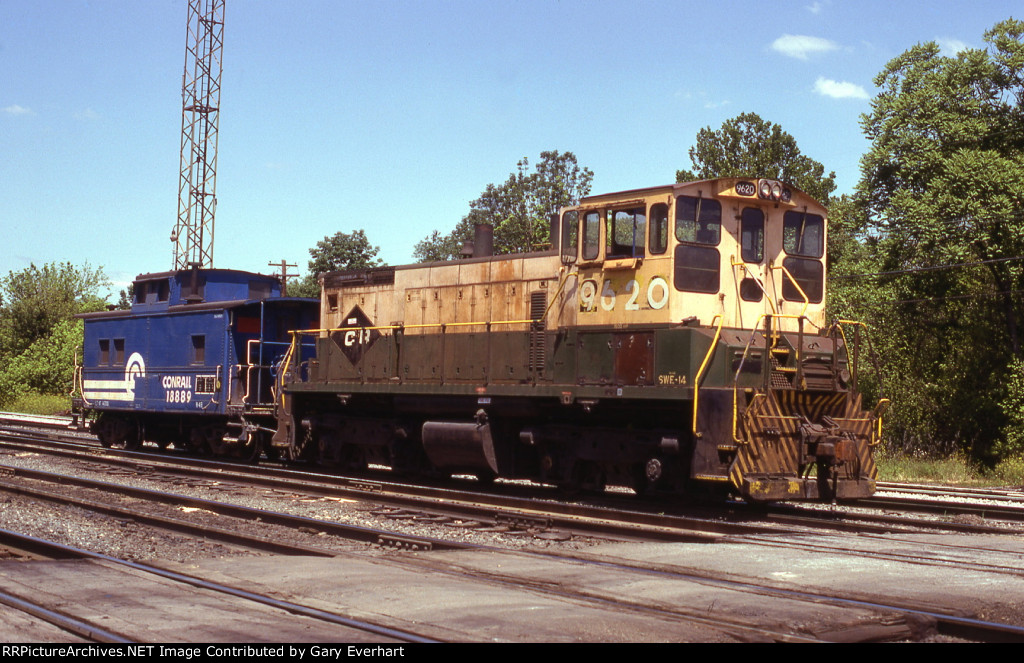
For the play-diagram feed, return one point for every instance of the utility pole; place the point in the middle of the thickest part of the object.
(284, 274)
(200, 92)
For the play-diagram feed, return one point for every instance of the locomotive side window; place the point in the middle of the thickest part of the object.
(809, 274)
(626, 230)
(591, 235)
(752, 235)
(659, 228)
(104, 352)
(118, 351)
(697, 268)
(570, 236)
(698, 220)
(803, 234)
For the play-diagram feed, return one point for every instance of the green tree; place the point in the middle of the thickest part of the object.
(519, 209)
(35, 299)
(747, 146)
(943, 189)
(333, 253)
(38, 333)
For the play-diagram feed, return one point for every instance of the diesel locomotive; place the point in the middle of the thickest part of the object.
(668, 339)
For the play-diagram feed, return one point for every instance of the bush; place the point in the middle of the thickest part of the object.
(33, 403)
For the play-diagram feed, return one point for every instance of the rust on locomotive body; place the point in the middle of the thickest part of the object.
(668, 338)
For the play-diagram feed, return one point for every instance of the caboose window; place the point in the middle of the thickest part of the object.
(809, 274)
(659, 228)
(118, 351)
(198, 349)
(752, 235)
(697, 268)
(803, 234)
(698, 220)
(104, 352)
(591, 235)
(626, 231)
(259, 289)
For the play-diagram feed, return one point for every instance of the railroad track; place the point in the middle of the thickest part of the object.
(339, 627)
(944, 623)
(606, 515)
(887, 625)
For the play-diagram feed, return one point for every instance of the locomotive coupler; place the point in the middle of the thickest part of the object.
(824, 443)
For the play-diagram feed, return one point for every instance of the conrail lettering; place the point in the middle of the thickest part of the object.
(177, 382)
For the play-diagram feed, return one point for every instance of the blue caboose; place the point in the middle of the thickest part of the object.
(192, 363)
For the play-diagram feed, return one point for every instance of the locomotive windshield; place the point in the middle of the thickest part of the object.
(698, 220)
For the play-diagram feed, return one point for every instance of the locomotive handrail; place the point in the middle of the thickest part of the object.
(700, 372)
(561, 285)
(807, 301)
(739, 369)
(883, 402)
(422, 325)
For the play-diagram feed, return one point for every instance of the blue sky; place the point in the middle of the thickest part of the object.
(391, 115)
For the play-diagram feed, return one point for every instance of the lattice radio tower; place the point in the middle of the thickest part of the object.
(200, 93)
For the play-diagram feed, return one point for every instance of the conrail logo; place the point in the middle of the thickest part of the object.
(117, 390)
(355, 336)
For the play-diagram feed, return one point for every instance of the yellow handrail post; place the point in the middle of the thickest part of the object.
(700, 372)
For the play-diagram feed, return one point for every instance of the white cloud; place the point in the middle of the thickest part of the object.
(815, 7)
(802, 46)
(17, 110)
(950, 47)
(839, 89)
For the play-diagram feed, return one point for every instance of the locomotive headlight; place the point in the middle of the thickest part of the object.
(776, 191)
(764, 189)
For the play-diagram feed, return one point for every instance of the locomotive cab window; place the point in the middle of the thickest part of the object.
(626, 231)
(698, 263)
(697, 268)
(659, 228)
(570, 235)
(698, 220)
(809, 275)
(803, 234)
(591, 235)
(752, 235)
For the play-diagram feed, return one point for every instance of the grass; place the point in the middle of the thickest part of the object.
(40, 404)
(955, 470)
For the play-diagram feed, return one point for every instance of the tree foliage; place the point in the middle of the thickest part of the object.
(941, 194)
(334, 253)
(519, 209)
(343, 251)
(747, 146)
(38, 333)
